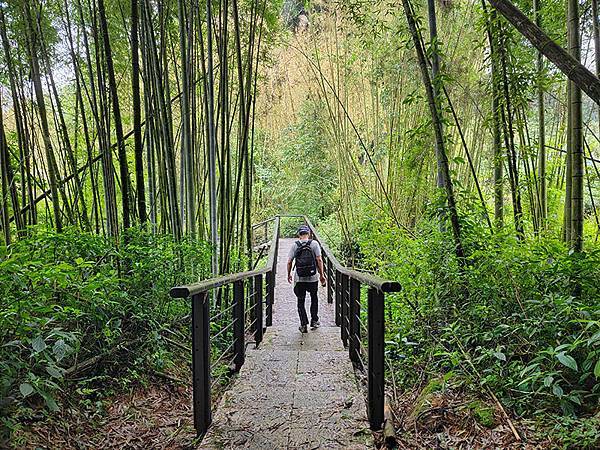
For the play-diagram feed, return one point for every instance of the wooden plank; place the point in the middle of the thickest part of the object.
(354, 328)
(239, 345)
(258, 309)
(338, 298)
(345, 316)
(376, 358)
(270, 277)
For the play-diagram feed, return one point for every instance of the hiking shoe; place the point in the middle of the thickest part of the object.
(303, 329)
(314, 324)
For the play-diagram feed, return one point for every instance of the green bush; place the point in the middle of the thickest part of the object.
(66, 297)
(522, 318)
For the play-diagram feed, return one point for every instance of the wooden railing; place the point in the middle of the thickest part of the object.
(344, 287)
(221, 333)
(229, 324)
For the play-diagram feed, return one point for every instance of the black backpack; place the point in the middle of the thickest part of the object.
(306, 263)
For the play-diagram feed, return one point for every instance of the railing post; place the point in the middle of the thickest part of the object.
(345, 313)
(258, 309)
(239, 346)
(270, 294)
(376, 357)
(354, 328)
(201, 363)
(275, 263)
(338, 298)
(329, 271)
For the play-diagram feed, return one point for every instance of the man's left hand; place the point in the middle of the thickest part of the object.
(322, 280)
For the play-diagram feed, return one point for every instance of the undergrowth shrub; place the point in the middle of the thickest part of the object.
(522, 318)
(67, 297)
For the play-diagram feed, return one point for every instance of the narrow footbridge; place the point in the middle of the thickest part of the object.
(293, 390)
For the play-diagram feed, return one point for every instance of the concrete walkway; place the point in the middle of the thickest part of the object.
(296, 391)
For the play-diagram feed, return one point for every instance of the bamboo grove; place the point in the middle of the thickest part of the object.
(453, 146)
(141, 114)
(516, 139)
(450, 145)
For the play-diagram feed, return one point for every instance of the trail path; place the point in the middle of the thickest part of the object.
(295, 391)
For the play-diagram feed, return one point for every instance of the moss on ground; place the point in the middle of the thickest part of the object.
(482, 413)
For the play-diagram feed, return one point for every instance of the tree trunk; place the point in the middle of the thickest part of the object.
(5, 176)
(112, 83)
(596, 33)
(435, 70)
(437, 126)
(496, 127)
(32, 39)
(137, 114)
(100, 103)
(211, 139)
(509, 139)
(541, 191)
(186, 136)
(568, 209)
(565, 62)
(5, 165)
(576, 135)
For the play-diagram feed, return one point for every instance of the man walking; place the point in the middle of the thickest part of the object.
(309, 271)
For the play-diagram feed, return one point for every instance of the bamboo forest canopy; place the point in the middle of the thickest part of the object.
(131, 113)
(358, 99)
(451, 145)
(145, 113)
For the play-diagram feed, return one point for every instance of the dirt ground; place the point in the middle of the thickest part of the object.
(156, 417)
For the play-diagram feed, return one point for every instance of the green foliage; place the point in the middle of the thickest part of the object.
(509, 321)
(66, 297)
(577, 433)
(304, 164)
(483, 414)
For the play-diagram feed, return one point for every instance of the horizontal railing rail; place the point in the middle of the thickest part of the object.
(219, 336)
(344, 286)
(365, 278)
(265, 226)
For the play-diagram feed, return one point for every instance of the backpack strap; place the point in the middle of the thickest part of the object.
(298, 248)
(300, 245)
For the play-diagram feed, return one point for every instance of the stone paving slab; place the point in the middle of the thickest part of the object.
(296, 391)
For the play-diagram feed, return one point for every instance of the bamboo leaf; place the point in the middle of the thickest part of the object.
(597, 369)
(38, 344)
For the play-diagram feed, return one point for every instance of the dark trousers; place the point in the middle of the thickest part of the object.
(300, 290)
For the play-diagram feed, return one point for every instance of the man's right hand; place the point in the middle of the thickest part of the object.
(290, 279)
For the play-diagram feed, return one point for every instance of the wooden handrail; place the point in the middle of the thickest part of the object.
(189, 290)
(198, 293)
(259, 224)
(365, 278)
(343, 283)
